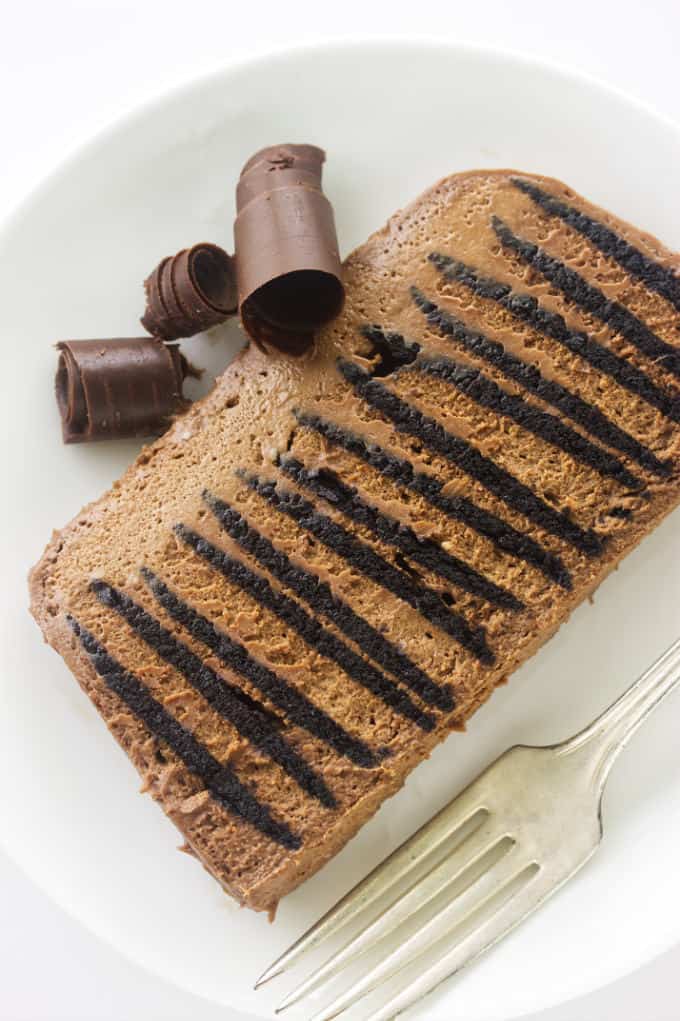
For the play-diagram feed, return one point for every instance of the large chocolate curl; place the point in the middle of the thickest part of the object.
(287, 260)
(110, 389)
(190, 292)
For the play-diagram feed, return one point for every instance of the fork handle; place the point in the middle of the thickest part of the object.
(608, 735)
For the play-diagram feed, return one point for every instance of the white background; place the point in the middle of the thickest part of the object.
(66, 70)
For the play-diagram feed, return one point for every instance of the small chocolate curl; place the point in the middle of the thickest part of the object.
(287, 260)
(190, 292)
(110, 389)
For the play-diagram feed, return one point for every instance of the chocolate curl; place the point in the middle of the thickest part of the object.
(287, 260)
(110, 389)
(190, 292)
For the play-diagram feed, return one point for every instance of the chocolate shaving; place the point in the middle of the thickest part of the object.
(288, 264)
(190, 292)
(110, 389)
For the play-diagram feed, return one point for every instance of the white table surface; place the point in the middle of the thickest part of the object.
(69, 67)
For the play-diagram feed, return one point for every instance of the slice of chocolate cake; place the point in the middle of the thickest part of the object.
(329, 563)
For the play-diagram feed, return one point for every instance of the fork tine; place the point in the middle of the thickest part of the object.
(470, 859)
(485, 889)
(460, 813)
(461, 952)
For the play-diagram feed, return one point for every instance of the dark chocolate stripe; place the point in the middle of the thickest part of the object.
(497, 480)
(219, 780)
(527, 309)
(252, 724)
(326, 484)
(530, 377)
(365, 560)
(586, 296)
(401, 471)
(391, 350)
(487, 394)
(319, 595)
(295, 616)
(296, 706)
(652, 274)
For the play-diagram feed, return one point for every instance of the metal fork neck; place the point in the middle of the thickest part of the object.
(602, 741)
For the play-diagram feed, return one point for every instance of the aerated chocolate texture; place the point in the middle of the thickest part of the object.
(329, 563)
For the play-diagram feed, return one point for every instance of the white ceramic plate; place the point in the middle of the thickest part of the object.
(393, 119)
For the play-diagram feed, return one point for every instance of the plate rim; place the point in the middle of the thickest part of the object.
(253, 63)
(139, 111)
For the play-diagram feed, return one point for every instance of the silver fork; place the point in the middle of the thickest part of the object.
(491, 857)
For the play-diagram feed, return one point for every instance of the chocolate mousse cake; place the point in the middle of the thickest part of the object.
(329, 563)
